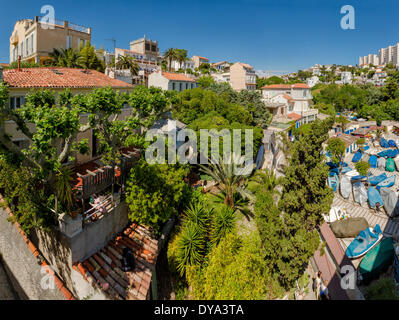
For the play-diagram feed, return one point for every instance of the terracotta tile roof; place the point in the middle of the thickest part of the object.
(177, 76)
(203, 58)
(295, 116)
(287, 86)
(104, 268)
(286, 96)
(60, 78)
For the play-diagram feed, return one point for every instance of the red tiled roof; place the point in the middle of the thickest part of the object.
(177, 76)
(295, 116)
(104, 268)
(203, 58)
(60, 78)
(286, 96)
(287, 86)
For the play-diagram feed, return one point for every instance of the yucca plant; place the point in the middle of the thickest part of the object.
(198, 215)
(63, 188)
(224, 222)
(190, 247)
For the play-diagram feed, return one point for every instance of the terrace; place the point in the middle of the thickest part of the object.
(99, 188)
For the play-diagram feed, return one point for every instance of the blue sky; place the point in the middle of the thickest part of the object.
(284, 35)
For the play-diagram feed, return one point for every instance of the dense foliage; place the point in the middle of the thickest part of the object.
(156, 192)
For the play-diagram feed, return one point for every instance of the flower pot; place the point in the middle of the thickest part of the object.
(74, 213)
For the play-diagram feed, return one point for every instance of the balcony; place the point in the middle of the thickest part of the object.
(65, 24)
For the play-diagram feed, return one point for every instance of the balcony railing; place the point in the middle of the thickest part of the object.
(61, 24)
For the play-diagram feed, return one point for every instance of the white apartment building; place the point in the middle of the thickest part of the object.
(171, 81)
(295, 99)
(242, 77)
(311, 82)
(188, 64)
(346, 77)
(385, 56)
(221, 77)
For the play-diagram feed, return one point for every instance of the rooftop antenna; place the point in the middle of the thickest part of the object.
(114, 42)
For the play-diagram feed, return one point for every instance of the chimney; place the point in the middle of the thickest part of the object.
(19, 63)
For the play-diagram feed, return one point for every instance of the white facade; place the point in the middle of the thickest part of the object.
(296, 97)
(311, 82)
(188, 64)
(346, 77)
(171, 81)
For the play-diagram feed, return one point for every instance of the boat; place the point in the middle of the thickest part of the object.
(392, 144)
(333, 182)
(390, 167)
(373, 161)
(389, 153)
(345, 187)
(374, 197)
(364, 242)
(391, 202)
(359, 193)
(335, 215)
(376, 260)
(359, 178)
(357, 157)
(387, 183)
(346, 170)
(384, 143)
(382, 163)
(352, 173)
(374, 180)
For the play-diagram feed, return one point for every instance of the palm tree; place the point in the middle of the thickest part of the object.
(88, 59)
(268, 181)
(231, 177)
(181, 56)
(128, 63)
(171, 55)
(68, 58)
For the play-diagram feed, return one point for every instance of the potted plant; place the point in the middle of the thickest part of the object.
(63, 191)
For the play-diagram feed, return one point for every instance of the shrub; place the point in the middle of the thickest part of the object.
(382, 289)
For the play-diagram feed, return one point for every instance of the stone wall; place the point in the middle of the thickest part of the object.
(27, 276)
(62, 251)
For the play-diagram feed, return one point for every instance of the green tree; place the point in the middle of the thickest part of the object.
(231, 177)
(67, 58)
(181, 56)
(205, 81)
(306, 197)
(336, 147)
(236, 270)
(88, 59)
(170, 55)
(128, 63)
(362, 167)
(155, 193)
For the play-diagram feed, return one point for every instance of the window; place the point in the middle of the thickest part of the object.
(27, 47)
(181, 86)
(173, 86)
(192, 86)
(22, 49)
(16, 102)
(69, 42)
(186, 85)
